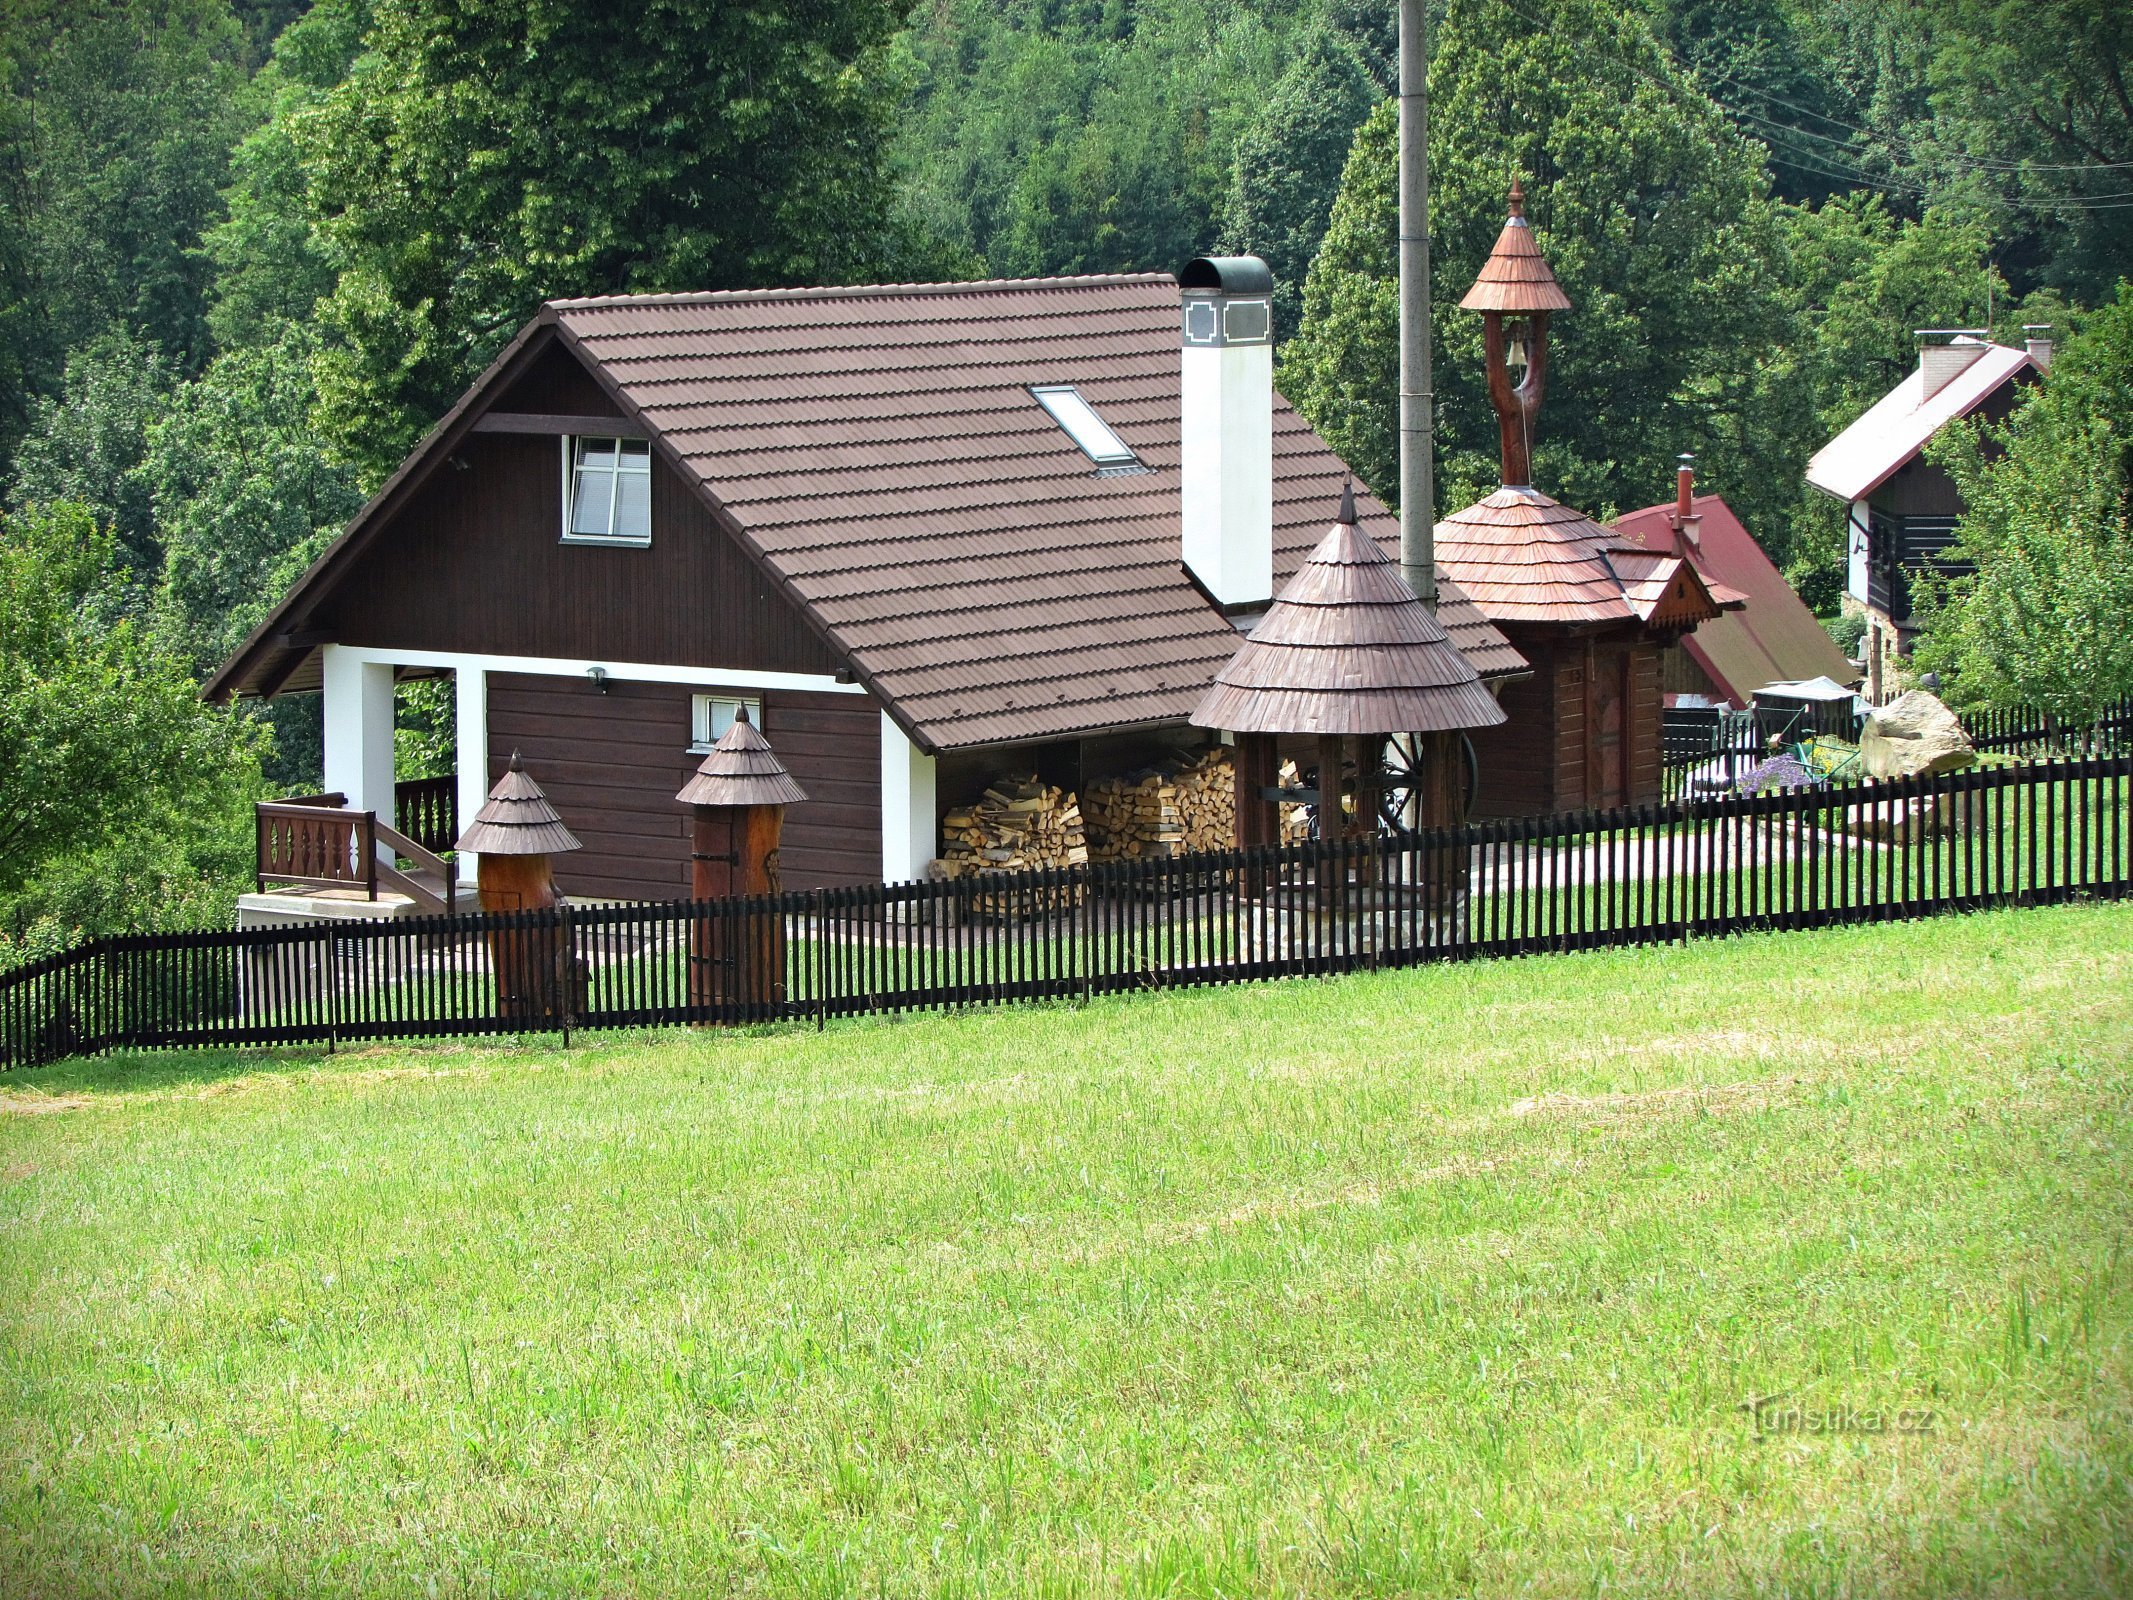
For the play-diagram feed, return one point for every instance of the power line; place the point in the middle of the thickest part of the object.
(1859, 178)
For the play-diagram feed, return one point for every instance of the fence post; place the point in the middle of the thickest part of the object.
(822, 965)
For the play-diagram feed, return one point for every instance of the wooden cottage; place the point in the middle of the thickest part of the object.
(927, 535)
(1903, 508)
(1590, 609)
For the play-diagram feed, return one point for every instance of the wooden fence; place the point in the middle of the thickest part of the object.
(1704, 749)
(2016, 835)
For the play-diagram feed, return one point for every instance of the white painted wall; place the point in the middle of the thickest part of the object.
(358, 715)
(908, 829)
(470, 715)
(1855, 553)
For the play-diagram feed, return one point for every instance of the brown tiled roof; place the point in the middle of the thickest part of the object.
(741, 770)
(518, 820)
(1515, 278)
(882, 449)
(1347, 648)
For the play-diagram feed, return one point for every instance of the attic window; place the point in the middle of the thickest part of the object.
(607, 491)
(1067, 408)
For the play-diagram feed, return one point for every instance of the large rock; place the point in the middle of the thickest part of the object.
(1914, 735)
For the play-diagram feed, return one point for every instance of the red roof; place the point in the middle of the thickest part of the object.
(1773, 637)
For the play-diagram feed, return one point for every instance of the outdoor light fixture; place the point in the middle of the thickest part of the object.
(599, 677)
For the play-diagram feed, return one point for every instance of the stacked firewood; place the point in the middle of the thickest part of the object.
(1295, 820)
(1183, 807)
(1019, 824)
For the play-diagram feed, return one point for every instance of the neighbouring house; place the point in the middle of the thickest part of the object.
(927, 535)
(1765, 635)
(1591, 609)
(1903, 508)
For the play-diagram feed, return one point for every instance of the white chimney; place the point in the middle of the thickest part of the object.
(1226, 446)
(1945, 354)
(2037, 340)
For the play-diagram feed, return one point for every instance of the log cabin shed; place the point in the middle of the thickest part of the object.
(1593, 610)
(927, 534)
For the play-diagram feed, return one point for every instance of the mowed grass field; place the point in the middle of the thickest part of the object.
(1448, 1281)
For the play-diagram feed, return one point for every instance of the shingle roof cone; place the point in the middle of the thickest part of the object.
(741, 770)
(517, 820)
(1347, 648)
(1515, 278)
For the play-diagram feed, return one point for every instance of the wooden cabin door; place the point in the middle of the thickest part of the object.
(1607, 715)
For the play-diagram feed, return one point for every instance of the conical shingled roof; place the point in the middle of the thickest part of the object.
(1515, 278)
(517, 820)
(1522, 557)
(1347, 648)
(741, 770)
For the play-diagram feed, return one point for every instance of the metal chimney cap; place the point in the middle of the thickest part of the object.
(1228, 275)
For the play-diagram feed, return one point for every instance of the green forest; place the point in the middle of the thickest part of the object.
(251, 249)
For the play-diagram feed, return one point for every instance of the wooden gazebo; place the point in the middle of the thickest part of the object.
(1347, 652)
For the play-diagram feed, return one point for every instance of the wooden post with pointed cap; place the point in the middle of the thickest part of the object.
(516, 832)
(739, 795)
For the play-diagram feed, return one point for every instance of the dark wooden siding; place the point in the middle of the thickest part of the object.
(1647, 724)
(832, 744)
(612, 762)
(1540, 761)
(476, 563)
(1517, 757)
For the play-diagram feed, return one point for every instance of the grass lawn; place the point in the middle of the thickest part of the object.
(1442, 1281)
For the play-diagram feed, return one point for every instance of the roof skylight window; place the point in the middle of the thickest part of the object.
(1067, 408)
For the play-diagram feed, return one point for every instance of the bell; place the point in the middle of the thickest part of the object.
(1515, 359)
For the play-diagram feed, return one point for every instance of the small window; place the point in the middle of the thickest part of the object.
(607, 491)
(714, 715)
(1084, 426)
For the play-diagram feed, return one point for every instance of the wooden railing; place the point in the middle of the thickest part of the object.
(315, 842)
(427, 811)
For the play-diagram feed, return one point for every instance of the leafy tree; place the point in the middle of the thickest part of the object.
(481, 155)
(116, 122)
(86, 444)
(1060, 136)
(123, 798)
(1288, 163)
(269, 266)
(1859, 280)
(243, 493)
(2048, 520)
(1654, 215)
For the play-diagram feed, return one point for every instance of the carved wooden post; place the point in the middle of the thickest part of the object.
(516, 832)
(739, 794)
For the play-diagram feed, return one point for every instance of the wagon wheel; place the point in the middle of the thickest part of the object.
(1401, 777)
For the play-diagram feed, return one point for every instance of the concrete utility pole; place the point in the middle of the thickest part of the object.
(1418, 497)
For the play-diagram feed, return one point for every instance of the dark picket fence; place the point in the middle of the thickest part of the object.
(1704, 750)
(2028, 732)
(2012, 835)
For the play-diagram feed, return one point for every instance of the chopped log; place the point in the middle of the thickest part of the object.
(1185, 806)
(1020, 824)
